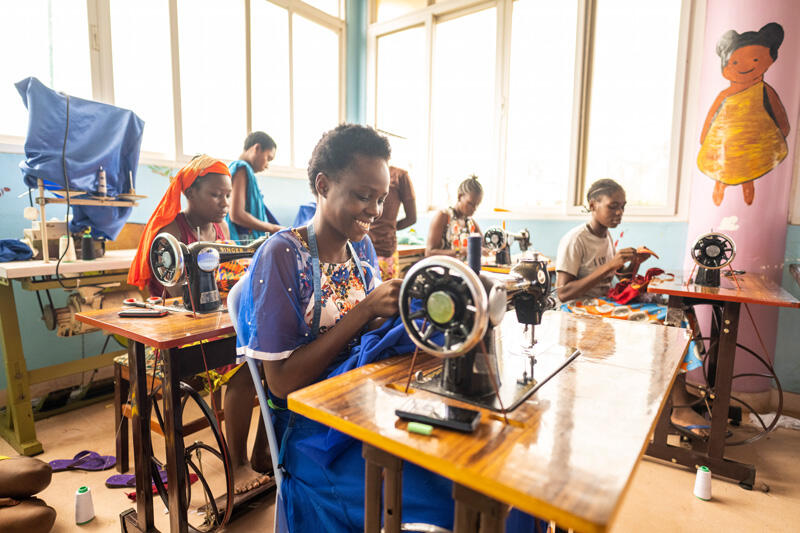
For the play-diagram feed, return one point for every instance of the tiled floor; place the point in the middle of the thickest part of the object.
(659, 497)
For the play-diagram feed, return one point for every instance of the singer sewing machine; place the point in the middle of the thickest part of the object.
(489, 356)
(499, 241)
(194, 266)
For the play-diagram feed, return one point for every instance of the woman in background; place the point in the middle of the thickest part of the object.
(586, 264)
(249, 217)
(206, 184)
(383, 232)
(451, 227)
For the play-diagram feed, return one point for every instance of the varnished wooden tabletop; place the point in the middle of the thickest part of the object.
(753, 288)
(171, 331)
(568, 453)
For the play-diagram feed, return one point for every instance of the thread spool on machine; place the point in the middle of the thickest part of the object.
(498, 240)
(711, 253)
(455, 314)
(194, 267)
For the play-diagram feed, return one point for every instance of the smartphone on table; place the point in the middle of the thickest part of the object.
(438, 413)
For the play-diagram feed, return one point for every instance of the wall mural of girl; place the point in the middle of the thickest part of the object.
(744, 135)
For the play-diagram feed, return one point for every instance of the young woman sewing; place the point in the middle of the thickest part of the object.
(206, 184)
(323, 279)
(586, 264)
(451, 227)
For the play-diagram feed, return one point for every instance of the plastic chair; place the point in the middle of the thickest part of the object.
(281, 525)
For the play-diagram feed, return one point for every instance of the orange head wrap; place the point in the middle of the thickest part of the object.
(167, 210)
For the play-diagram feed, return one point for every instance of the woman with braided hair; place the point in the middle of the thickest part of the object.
(451, 227)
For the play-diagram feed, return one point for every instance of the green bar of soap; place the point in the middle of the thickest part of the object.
(419, 427)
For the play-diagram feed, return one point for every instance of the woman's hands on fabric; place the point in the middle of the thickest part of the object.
(383, 301)
(621, 258)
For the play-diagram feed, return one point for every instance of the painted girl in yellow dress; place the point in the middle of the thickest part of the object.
(744, 135)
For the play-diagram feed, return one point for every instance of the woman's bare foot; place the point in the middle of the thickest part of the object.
(687, 419)
(246, 479)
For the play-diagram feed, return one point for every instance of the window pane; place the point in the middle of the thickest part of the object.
(143, 69)
(389, 9)
(47, 39)
(540, 103)
(212, 58)
(269, 52)
(463, 106)
(400, 101)
(633, 88)
(330, 7)
(316, 85)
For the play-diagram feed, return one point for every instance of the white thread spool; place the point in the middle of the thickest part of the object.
(702, 483)
(84, 509)
(65, 242)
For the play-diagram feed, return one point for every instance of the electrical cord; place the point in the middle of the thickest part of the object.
(66, 185)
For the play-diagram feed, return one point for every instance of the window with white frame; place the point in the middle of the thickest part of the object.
(539, 99)
(46, 39)
(141, 53)
(143, 71)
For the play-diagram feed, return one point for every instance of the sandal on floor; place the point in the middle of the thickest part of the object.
(84, 460)
(121, 481)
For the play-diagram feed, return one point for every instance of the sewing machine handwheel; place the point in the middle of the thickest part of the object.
(713, 251)
(495, 239)
(441, 297)
(166, 259)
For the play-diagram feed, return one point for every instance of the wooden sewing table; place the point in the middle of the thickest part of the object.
(171, 334)
(17, 423)
(754, 289)
(567, 453)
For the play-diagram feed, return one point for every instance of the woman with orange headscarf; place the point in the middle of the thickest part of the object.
(206, 184)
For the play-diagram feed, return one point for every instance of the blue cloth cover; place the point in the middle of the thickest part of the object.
(100, 135)
(304, 214)
(14, 250)
(254, 205)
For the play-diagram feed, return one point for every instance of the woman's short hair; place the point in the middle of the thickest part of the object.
(770, 36)
(338, 147)
(471, 185)
(260, 138)
(602, 187)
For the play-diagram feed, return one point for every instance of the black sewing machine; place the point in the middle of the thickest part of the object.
(454, 313)
(712, 252)
(195, 267)
(498, 240)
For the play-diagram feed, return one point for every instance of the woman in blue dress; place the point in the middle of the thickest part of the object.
(313, 291)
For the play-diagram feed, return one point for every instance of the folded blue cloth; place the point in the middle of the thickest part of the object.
(14, 250)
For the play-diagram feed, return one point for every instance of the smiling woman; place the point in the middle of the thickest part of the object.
(322, 280)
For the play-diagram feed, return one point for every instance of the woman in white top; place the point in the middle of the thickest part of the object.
(586, 264)
(587, 259)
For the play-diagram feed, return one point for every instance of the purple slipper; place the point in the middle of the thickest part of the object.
(84, 460)
(120, 481)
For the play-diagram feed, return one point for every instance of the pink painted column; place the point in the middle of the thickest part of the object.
(758, 229)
